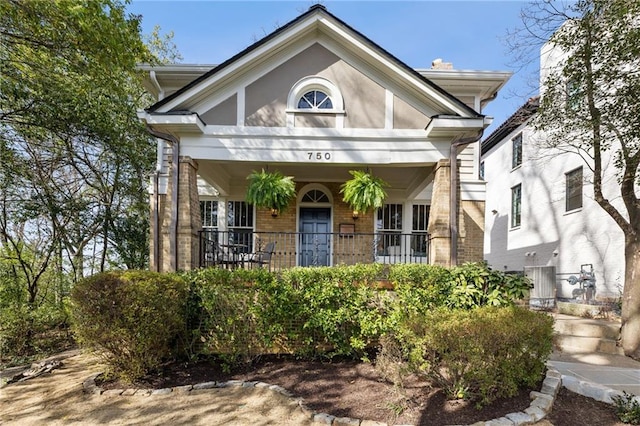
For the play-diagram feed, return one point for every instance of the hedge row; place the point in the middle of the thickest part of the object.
(140, 319)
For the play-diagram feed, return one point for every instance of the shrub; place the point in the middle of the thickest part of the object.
(481, 354)
(627, 408)
(27, 332)
(307, 312)
(337, 312)
(475, 284)
(228, 324)
(133, 319)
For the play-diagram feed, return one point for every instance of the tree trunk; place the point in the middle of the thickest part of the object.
(631, 298)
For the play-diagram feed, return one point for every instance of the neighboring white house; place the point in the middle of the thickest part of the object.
(540, 208)
(314, 100)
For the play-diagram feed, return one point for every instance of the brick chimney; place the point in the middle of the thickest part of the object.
(438, 64)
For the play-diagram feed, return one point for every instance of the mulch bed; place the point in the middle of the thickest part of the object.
(354, 389)
(343, 389)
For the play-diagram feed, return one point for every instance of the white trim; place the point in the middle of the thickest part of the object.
(473, 190)
(391, 67)
(298, 149)
(240, 107)
(222, 213)
(388, 109)
(308, 132)
(315, 27)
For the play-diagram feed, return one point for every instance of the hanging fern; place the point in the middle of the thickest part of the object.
(271, 190)
(364, 191)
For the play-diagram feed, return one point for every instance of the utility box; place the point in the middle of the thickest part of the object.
(543, 294)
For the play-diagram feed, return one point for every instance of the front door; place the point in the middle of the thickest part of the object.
(315, 236)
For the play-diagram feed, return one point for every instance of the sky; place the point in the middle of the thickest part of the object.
(469, 34)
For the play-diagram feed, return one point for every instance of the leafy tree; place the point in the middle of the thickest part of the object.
(75, 158)
(590, 107)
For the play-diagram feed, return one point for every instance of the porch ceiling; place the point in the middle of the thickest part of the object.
(230, 178)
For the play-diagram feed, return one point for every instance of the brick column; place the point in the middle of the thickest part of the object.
(439, 226)
(189, 220)
(473, 238)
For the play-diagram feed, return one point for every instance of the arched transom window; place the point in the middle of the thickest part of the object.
(315, 95)
(315, 99)
(315, 196)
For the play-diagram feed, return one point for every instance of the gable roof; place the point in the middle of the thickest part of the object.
(524, 113)
(321, 11)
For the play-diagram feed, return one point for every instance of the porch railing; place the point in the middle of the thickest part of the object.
(243, 248)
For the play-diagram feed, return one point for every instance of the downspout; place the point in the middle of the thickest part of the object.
(173, 227)
(456, 147)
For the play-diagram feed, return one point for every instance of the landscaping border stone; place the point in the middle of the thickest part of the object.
(541, 402)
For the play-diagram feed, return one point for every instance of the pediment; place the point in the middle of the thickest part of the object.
(259, 79)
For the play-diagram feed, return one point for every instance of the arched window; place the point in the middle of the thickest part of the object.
(315, 196)
(315, 95)
(315, 99)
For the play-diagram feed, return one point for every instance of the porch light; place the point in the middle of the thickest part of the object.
(355, 215)
(274, 212)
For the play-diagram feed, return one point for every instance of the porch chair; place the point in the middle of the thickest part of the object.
(223, 257)
(263, 257)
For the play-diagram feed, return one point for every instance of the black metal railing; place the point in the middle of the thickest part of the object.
(277, 250)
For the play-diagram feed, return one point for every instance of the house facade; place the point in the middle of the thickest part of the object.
(314, 100)
(540, 206)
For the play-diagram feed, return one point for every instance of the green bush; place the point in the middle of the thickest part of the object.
(228, 326)
(421, 288)
(307, 312)
(26, 333)
(336, 310)
(481, 354)
(475, 284)
(627, 408)
(132, 318)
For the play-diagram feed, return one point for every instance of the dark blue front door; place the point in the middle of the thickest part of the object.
(315, 237)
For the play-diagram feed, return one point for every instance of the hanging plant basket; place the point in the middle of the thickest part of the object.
(270, 190)
(364, 191)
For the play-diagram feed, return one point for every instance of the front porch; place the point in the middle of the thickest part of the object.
(279, 250)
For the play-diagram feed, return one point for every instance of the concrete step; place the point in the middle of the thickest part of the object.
(587, 328)
(577, 335)
(583, 345)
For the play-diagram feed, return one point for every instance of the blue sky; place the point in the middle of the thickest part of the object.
(470, 34)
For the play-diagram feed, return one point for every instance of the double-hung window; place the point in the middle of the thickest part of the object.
(516, 151)
(516, 205)
(573, 189)
(209, 215)
(240, 224)
(419, 236)
(389, 227)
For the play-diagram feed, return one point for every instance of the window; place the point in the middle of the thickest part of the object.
(315, 99)
(419, 235)
(516, 158)
(516, 205)
(573, 95)
(240, 224)
(574, 189)
(389, 225)
(481, 174)
(315, 196)
(209, 213)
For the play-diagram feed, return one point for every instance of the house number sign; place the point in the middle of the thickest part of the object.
(319, 156)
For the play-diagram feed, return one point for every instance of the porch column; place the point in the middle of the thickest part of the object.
(439, 226)
(185, 250)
